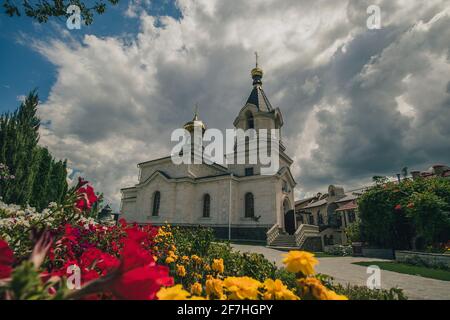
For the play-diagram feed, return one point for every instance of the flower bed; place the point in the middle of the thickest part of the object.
(63, 253)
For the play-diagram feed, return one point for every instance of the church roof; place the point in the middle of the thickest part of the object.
(257, 96)
(259, 99)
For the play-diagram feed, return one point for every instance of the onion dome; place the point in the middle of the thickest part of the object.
(257, 73)
(194, 123)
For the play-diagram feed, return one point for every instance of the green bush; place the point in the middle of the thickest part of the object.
(398, 215)
(418, 261)
(353, 232)
(340, 250)
(193, 240)
(354, 292)
(199, 241)
(242, 264)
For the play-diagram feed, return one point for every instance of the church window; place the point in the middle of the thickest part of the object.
(206, 206)
(248, 172)
(156, 202)
(250, 121)
(249, 205)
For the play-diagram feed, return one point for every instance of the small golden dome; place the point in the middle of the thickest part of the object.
(195, 122)
(257, 72)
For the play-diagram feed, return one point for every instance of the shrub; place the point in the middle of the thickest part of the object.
(353, 232)
(418, 261)
(193, 240)
(354, 292)
(396, 215)
(339, 250)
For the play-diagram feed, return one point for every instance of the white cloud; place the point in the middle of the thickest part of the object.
(114, 103)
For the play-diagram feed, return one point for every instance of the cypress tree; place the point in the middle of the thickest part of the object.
(39, 179)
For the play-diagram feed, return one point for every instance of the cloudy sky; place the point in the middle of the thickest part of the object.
(356, 102)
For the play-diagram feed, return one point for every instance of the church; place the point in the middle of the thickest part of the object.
(236, 200)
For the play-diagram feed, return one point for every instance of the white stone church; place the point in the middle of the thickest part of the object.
(235, 200)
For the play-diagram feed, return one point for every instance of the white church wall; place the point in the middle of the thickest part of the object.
(128, 210)
(263, 189)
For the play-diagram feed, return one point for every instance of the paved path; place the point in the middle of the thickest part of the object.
(343, 271)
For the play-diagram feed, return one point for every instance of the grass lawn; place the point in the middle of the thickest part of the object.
(409, 269)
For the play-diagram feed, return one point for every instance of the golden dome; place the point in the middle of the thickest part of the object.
(257, 72)
(195, 122)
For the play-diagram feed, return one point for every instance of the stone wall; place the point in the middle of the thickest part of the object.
(431, 259)
(378, 253)
(312, 244)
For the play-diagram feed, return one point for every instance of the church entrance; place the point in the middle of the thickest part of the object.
(289, 217)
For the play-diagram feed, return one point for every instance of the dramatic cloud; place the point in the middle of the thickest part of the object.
(356, 102)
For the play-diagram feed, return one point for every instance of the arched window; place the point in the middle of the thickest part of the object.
(249, 205)
(206, 205)
(156, 201)
(250, 120)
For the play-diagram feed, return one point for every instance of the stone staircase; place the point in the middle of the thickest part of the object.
(284, 240)
(307, 237)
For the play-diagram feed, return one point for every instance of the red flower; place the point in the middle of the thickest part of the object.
(142, 283)
(136, 235)
(139, 278)
(6, 260)
(410, 205)
(398, 207)
(86, 198)
(94, 257)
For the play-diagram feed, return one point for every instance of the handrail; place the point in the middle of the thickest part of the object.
(303, 232)
(273, 233)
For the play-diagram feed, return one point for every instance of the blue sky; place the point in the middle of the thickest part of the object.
(23, 69)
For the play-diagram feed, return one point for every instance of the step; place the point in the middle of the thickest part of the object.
(284, 244)
(283, 248)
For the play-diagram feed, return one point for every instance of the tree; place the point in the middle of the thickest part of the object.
(42, 10)
(38, 178)
(397, 215)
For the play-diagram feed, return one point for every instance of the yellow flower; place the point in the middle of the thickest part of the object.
(196, 258)
(217, 265)
(171, 257)
(196, 289)
(185, 258)
(331, 295)
(300, 261)
(155, 258)
(169, 260)
(181, 271)
(173, 293)
(241, 288)
(318, 290)
(197, 298)
(314, 287)
(214, 288)
(276, 290)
